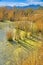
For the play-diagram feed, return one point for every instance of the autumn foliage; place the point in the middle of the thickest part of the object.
(19, 15)
(9, 35)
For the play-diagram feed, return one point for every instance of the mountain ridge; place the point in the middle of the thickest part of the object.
(24, 7)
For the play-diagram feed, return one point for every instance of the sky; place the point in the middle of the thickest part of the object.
(20, 2)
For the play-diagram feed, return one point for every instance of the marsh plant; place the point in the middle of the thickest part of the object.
(9, 36)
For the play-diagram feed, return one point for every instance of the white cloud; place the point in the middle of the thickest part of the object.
(34, 1)
(12, 4)
(19, 3)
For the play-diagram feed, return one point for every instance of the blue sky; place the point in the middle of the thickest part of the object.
(20, 2)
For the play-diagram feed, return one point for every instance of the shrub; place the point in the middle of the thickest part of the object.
(9, 36)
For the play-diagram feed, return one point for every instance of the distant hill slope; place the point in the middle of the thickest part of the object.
(29, 6)
(24, 7)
